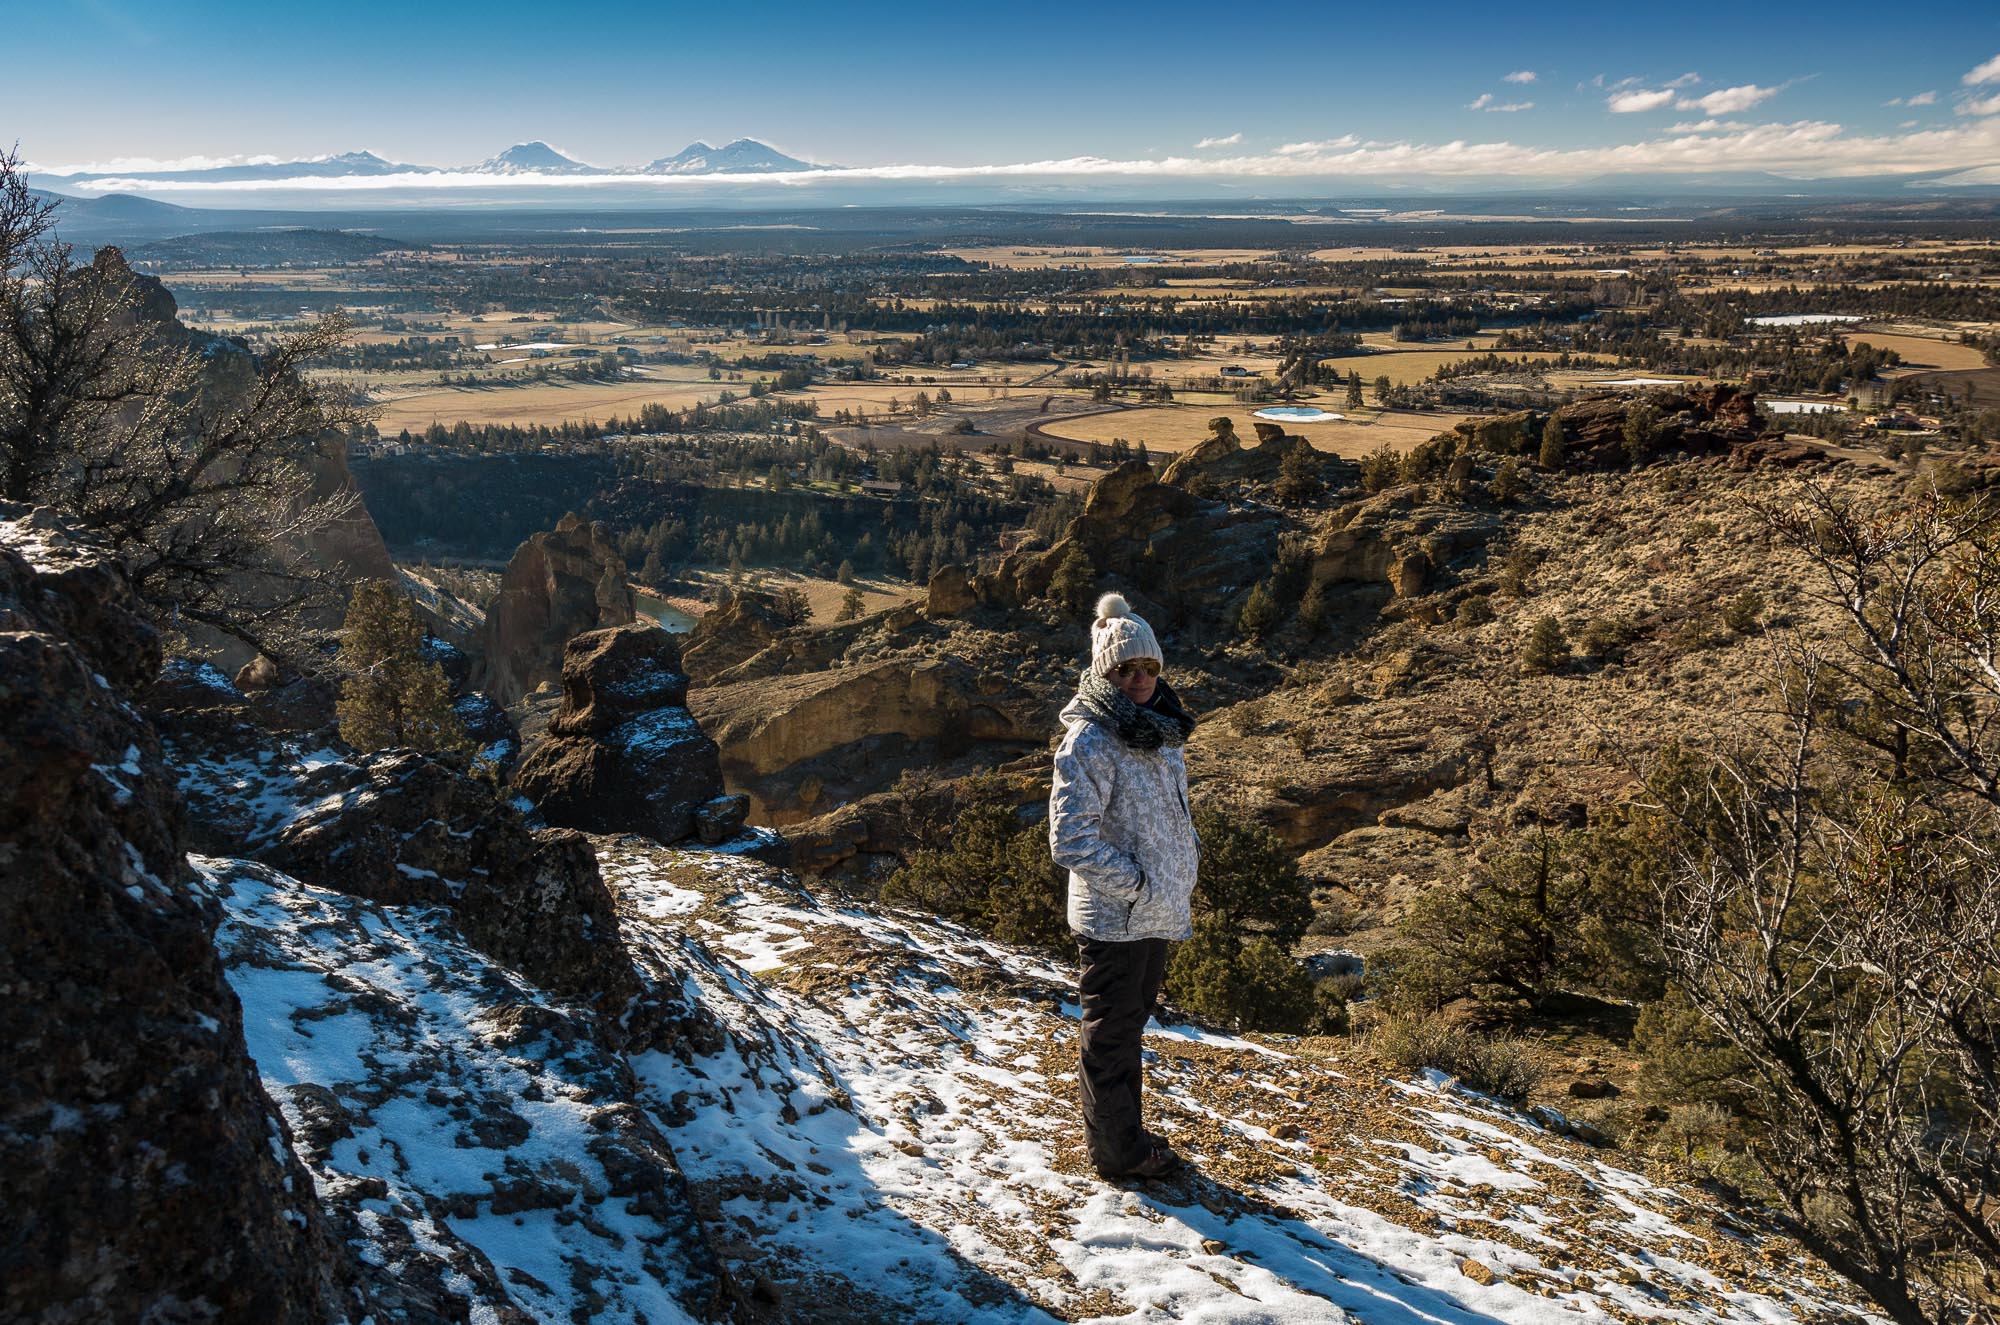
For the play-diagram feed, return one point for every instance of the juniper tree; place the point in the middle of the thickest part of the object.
(1555, 446)
(1547, 648)
(200, 480)
(390, 694)
(1074, 582)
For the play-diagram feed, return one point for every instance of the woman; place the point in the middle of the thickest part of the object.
(1119, 823)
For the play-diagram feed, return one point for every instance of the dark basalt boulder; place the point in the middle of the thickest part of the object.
(400, 827)
(623, 754)
(144, 1174)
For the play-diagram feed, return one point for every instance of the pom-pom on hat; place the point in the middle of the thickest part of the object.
(1118, 635)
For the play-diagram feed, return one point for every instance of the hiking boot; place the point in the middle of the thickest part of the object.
(1160, 1161)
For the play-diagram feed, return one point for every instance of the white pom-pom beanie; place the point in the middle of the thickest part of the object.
(1119, 635)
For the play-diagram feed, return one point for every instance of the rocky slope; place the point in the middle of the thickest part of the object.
(423, 1058)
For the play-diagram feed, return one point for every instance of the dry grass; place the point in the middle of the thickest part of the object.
(544, 402)
(1019, 256)
(1174, 428)
(825, 596)
(1921, 352)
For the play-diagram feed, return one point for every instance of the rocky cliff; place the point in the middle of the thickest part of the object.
(799, 743)
(144, 1173)
(557, 586)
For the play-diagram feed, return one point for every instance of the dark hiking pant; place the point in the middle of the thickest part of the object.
(1119, 985)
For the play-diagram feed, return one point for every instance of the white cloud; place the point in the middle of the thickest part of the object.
(1728, 100)
(1708, 126)
(1988, 72)
(1722, 101)
(1229, 141)
(1324, 145)
(1519, 76)
(152, 165)
(1918, 99)
(1985, 106)
(1629, 103)
(1480, 102)
(1685, 80)
(1488, 102)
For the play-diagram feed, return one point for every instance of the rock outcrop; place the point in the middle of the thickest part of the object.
(1710, 420)
(799, 744)
(623, 754)
(402, 828)
(1398, 539)
(728, 634)
(144, 1174)
(1195, 558)
(557, 586)
(1222, 458)
(950, 593)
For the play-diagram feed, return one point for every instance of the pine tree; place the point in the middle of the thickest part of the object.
(1547, 648)
(1555, 447)
(1354, 390)
(1075, 581)
(850, 605)
(846, 572)
(390, 694)
(1298, 477)
(1259, 614)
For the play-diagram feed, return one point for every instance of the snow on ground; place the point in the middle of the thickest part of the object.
(454, 1109)
(886, 1131)
(896, 1116)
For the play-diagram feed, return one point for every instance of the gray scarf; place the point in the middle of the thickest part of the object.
(1166, 723)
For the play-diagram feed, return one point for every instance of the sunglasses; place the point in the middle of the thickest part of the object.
(1125, 671)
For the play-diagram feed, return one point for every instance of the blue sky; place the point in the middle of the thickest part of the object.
(1269, 89)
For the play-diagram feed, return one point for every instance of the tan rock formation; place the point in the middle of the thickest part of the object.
(1197, 557)
(950, 593)
(557, 586)
(728, 634)
(1398, 539)
(1220, 443)
(800, 744)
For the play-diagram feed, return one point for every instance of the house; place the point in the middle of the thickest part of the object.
(878, 488)
(1234, 371)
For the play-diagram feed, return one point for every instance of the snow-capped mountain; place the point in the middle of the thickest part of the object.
(534, 158)
(745, 156)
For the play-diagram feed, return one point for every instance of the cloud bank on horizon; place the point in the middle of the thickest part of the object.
(1966, 146)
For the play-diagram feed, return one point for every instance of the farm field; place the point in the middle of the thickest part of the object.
(1920, 353)
(1019, 257)
(1174, 428)
(542, 402)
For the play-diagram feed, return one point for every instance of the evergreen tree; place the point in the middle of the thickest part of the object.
(1298, 477)
(390, 694)
(1642, 431)
(1547, 648)
(1353, 390)
(1075, 581)
(1259, 614)
(846, 572)
(850, 605)
(1555, 447)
